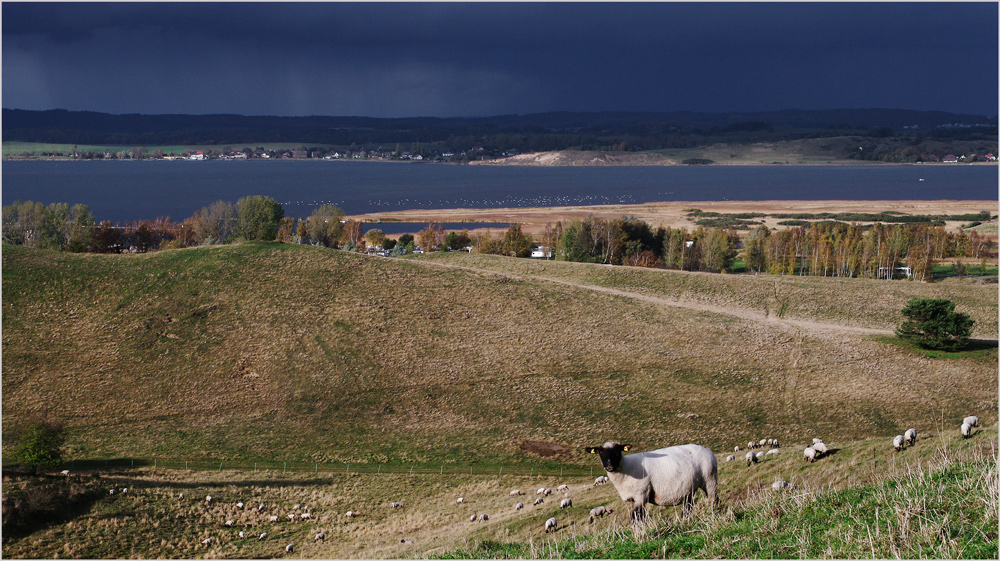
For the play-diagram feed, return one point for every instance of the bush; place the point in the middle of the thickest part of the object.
(39, 444)
(934, 324)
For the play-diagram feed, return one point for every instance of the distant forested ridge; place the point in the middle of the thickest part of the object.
(625, 131)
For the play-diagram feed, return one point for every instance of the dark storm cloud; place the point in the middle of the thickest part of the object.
(408, 59)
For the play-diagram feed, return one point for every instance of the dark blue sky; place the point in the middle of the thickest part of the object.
(479, 59)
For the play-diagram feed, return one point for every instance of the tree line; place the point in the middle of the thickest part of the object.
(825, 248)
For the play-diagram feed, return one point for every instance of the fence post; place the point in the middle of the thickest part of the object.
(532, 472)
(220, 466)
(317, 468)
(379, 469)
(154, 463)
(284, 468)
(442, 470)
(560, 472)
(592, 471)
(255, 466)
(411, 469)
(348, 469)
(501, 471)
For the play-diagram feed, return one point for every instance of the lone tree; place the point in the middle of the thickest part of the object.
(39, 444)
(934, 324)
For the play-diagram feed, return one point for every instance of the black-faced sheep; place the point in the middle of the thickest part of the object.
(751, 458)
(289, 548)
(562, 487)
(910, 436)
(550, 525)
(972, 420)
(320, 536)
(565, 503)
(666, 477)
(779, 485)
(518, 506)
(897, 442)
(538, 501)
(601, 480)
(809, 454)
(395, 505)
(516, 492)
(484, 517)
(820, 448)
(966, 430)
(730, 458)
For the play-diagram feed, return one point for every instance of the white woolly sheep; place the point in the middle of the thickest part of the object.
(460, 500)
(760, 455)
(262, 536)
(320, 536)
(395, 505)
(274, 518)
(261, 507)
(242, 534)
(207, 542)
(775, 444)
(291, 517)
(406, 541)
(548, 492)
(779, 485)
(737, 449)
(565, 503)
(820, 448)
(972, 420)
(64, 472)
(518, 506)
(762, 443)
(897, 442)
(289, 548)
(112, 491)
(124, 489)
(751, 458)
(562, 487)
(306, 516)
(538, 501)
(484, 517)
(181, 496)
(809, 454)
(601, 480)
(599, 511)
(550, 525)
(666, 477)
(516, 492)
(473, 518)
(966, 430)
(910, 436)
(816, 441)
(772, 451)
(230, 522)
(349, 514)
(751, 445)
(730, 458)
(297, 507)
(208, 498)
(239, 505)
(540, 491)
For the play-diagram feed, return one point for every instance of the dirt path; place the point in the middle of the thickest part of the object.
(793, 325)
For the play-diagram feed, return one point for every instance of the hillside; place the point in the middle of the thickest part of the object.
(264, 352)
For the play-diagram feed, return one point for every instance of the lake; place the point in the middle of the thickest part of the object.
(120, 191)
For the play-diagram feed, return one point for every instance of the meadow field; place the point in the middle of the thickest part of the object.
(479, 373)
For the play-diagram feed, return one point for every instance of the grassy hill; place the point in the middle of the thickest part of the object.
(267, 352)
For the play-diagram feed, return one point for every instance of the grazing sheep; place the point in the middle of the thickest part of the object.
(538, 501)
(230, 522)
(484, 517)
(473, 518)
(565, 503)
(772, 451)
(730, 458)
(816, 441)
(297, 507)
(410, 542)
(320, 536)
(112, 491)
(910, 436)
(666, 477)
(274, 518)
(562, 487)
(762, 443)
(820, 448)
(898, 442)
(751, 458)
(208, 498)
(395, 505)
(306, 516)
(518, 506)
(548, 492)
(599, 511)
(966, 430)
(64, 472)
(460, 500)
(349, 514)
(291, 517)
(775, 444)
(737, 449)
(550, 525)
(262, 536)
(601, 480)
(181, 496)
(779, 485)
(751, 445)
(124, 489)
(809, 454)
(972, 420)
(289, 548)
(760, 455)
(540, 491)
(239, 505)
(242, 534)
(516, 492)
(207, 542)
(261, 507)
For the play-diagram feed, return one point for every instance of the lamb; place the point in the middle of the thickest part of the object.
(751, 458)
(565, 503)
(538, 501)
(601, 480)
(320, 536)
(599, 511)
(550, 525)
(972, 420)
(910, 436)
(518, 506)
(666, 477)
(516, 492)
(562, 487)
(897, 442)
(730, 458)
(809, 454)
(966, 430)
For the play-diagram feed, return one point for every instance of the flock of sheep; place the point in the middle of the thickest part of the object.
(552, 523)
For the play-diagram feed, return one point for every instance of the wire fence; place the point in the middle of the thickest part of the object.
(327, 469)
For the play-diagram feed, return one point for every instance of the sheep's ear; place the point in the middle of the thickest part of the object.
(626, 447)
(592, 450)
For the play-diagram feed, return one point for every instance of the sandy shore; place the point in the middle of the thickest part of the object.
(672, 214)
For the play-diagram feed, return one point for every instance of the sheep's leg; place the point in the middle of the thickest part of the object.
(639, 515)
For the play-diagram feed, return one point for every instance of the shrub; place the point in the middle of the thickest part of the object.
(934, 324)
(39, 444)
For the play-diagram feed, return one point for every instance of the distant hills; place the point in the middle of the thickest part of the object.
(539, 131)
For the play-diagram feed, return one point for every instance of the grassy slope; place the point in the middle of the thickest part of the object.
(283, 352)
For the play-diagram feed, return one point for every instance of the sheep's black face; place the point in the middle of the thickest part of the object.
(611, 455)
